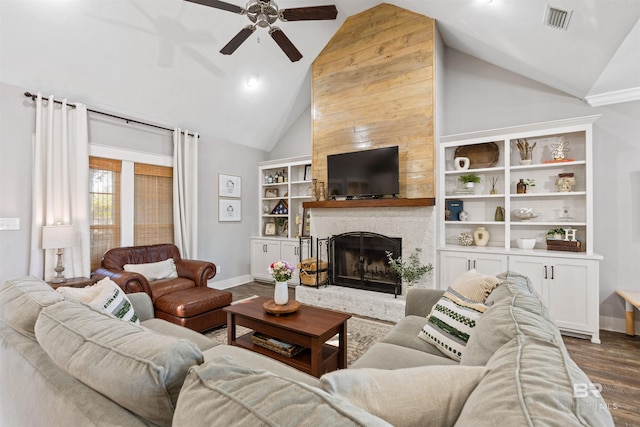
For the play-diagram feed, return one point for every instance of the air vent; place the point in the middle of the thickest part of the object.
(557, 18)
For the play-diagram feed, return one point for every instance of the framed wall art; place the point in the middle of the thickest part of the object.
(271, 193)
(229, 210)
(229, 185)
(270, 229)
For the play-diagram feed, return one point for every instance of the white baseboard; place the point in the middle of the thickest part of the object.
(229, 283)
(616, 324)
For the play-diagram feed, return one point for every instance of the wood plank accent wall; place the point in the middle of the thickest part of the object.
(373, 86)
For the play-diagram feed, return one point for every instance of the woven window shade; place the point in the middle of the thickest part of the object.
(153, 204)
(104, 196)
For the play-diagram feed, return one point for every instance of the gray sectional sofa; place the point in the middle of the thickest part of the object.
(64, 363)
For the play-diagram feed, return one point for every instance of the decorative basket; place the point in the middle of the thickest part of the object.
(313, 271)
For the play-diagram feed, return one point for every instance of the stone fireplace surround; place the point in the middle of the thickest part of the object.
(416, 227)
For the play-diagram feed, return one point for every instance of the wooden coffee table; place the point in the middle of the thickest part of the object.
(310, 327)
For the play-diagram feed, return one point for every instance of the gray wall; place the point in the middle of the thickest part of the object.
(226, 243)
(479, 96)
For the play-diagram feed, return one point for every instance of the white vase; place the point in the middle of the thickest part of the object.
(281, 294)
(481, 236)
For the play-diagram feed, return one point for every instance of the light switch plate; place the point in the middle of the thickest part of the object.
(9, 223)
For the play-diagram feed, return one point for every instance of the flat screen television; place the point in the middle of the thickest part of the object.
(364, 174)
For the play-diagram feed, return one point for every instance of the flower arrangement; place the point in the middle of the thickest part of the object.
(281, 271)
(409, 271)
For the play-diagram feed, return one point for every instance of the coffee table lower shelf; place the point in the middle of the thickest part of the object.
(301, 361)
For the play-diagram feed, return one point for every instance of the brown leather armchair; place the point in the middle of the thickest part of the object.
(191, 273)
(185, 300)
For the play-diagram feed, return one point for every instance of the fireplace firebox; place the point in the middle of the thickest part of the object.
(359, 260)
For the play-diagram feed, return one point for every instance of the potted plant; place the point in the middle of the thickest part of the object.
(556, 234)
(469, 179)
(410, 271)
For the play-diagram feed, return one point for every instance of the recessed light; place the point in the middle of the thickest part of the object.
(252, 81)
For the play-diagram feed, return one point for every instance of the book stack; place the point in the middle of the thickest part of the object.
(281, 347)
(564, 245)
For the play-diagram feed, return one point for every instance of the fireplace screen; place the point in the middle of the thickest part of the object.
(359, 260)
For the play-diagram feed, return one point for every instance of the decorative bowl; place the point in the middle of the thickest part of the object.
(525, 214)
(526, 243)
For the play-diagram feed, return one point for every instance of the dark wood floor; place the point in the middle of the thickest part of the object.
(615, 364)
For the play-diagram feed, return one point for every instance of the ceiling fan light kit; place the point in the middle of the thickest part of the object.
(263, 14)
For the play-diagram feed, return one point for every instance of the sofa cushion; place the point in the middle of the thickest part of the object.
(22, 299)
(533, 382)
(475, 286)
(450, 323)
(521, 313)
(424, 396)
(105, 296)
(165, 269)
(516, 310)
(517, 283)
(224, 393)
(163, 327)
(405, 334)
(133, 366)
(384, 355)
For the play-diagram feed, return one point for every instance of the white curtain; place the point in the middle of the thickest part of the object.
(60, 186)
(185, 193)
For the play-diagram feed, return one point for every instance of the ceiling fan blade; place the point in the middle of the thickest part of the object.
(219, 5)
(285, 44)
(238, 40)
(312, 13)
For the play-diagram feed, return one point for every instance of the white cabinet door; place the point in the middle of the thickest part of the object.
(263, 253)
(490, 264)
(570, 294)
(290, 252)
(536, 269)
(453, 264)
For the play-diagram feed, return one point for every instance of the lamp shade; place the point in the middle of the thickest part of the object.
(58, 236)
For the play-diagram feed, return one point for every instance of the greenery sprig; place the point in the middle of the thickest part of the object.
(410, 271)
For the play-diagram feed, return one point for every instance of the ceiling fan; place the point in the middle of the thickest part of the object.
(263, 13)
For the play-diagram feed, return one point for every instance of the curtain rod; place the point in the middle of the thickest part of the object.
(128, 120)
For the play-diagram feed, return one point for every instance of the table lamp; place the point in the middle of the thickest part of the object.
(58, 237)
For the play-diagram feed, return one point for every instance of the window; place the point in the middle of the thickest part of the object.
(131, 204)
(104, 197)
(153, 206)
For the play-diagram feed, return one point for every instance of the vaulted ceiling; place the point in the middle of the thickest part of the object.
(159, 60)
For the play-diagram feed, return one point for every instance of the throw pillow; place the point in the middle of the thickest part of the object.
(154, 270)
(475, 286)
(450, 323)
(424, 396)
(223, 393)
(105, 296)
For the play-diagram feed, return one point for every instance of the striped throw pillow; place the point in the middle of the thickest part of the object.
(451, 322)
(105, 296)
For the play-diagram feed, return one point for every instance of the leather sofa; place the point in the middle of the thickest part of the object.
(184, 300)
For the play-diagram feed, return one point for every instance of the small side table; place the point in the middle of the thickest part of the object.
(74, 282)
(631, 299)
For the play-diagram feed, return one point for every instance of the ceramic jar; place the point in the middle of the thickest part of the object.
(481, 236)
